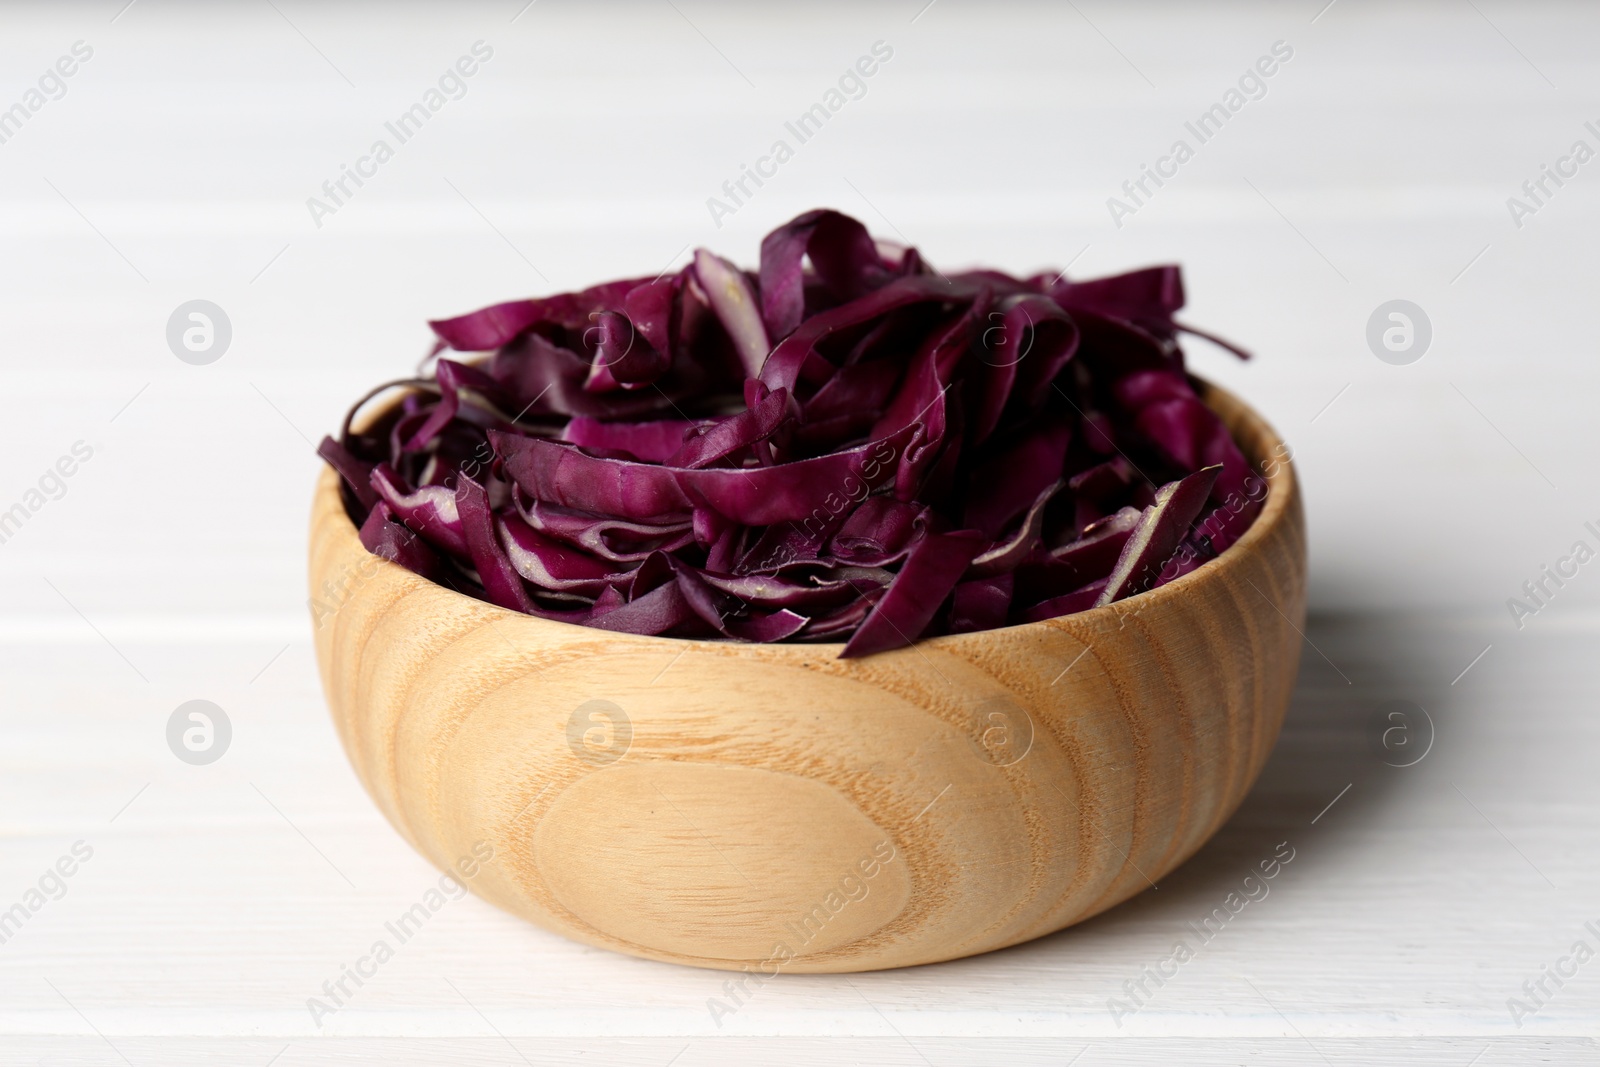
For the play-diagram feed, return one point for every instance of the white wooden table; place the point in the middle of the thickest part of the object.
(175, 165)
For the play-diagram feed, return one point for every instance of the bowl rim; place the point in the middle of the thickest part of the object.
(1249, 430)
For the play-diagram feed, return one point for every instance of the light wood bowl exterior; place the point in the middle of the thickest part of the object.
(774, 808)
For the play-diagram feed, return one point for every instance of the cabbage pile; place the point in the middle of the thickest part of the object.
(845, 445)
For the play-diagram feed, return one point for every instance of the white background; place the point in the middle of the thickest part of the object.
(1377, 166)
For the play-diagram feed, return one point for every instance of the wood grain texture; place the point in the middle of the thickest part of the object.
(776, 808)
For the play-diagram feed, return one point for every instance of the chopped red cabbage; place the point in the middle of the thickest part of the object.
(843, 445)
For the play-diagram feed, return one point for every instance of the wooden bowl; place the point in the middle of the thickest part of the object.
(774, 808)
